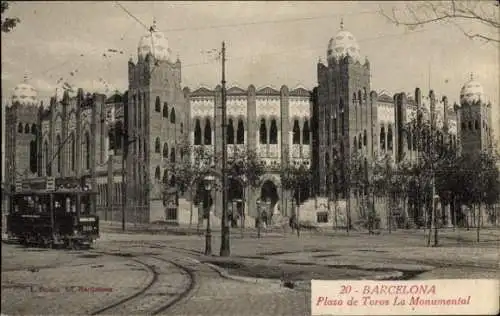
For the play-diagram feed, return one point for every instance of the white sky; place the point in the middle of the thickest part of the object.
(52, 35)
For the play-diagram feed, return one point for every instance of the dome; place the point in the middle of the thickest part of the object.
(472, 91)
(155, 43)
(24, 93)
(342, 44)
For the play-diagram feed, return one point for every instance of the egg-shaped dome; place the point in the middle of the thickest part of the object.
(155, 43)
(24, 93)
(343, 44)
(472, 92)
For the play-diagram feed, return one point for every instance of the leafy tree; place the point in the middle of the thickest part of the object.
(296, 179)
(7, 23)
(421, 13)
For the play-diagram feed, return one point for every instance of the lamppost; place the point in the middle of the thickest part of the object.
(208, 182)
(258, 202)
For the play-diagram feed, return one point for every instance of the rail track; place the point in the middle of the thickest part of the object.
(159, 294)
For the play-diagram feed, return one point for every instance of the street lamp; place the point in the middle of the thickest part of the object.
(208, 183)
(258, 217)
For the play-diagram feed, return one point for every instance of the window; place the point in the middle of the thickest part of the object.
(360, 142)
(157, 104)
(46, 158)
(263, 132)
(87, 151)
(408, 139)
(414, 141)
(365, 138)
(157, 145)
(165, 176)
(470, 125)
(322, 217)
(335, 132)
(354, 98)
(165, 150)
(464, 126)
(182, 128)
(273, 133)
(27, 129)
(476, 124)
(296, 132)
(230, 132)
(172, 155)
(389, 137)
(172, 116)
(73, 152)
(165, 109)
(197, 132)
(342, 123)
(20, 128)
(354, 143)
(240, 133)
(327, 130)
(33, 129)
(382, 138)
(59, 150)
(305, 133)
(360, 100)
(157, 173)
(33, 156)
(208, 133)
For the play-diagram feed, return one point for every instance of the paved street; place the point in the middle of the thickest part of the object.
(82, 282)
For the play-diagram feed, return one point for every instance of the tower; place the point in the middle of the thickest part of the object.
(475, 118)
(21, 133)
(156, 116)
(342, 111)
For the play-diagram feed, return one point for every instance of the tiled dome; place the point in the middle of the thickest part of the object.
(24, 93)
(342, 44)
(471, 92)
(155, 43)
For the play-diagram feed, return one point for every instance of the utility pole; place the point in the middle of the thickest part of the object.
(225, 250)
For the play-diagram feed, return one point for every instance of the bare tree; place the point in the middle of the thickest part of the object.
(7, 23)
(420, 13)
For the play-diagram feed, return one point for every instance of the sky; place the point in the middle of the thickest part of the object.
(268, 43)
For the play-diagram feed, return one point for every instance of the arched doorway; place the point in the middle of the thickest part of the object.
(269, 192)
(236, 204)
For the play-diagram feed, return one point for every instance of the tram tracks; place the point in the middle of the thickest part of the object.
(164, 290)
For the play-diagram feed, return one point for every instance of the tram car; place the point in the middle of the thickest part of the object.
(51, 218)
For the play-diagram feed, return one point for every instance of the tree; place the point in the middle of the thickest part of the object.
(245, 168)
(482, 13)
(295, 179)
(189, 174)
(7, 23)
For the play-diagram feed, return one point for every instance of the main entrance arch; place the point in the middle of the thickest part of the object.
(269, 192)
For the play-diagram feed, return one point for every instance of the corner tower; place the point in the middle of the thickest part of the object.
(343, 111)
(155, 123)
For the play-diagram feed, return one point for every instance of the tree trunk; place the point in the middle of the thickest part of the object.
(478, 221)
(191, 207)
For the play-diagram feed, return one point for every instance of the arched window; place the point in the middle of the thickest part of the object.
(365, 138)
(165, 109)
(27, 129)
(296, 132)
(59, 150)
(73, 152)
(360, 100)
(414, 140)
(360, 142)
(389, 138)
(157, 104)
(165, 150)
(182, 128)
(354, 143)
(87, 150)
(476, 124)
(342, 123)
(119, 133)
(20, 128)
(157, 145)
(172, 155)
(335, 129)
(46, 159)
(470, 125)
(382, 138)
(33, 129)
(172, 116)
(197, 132)
(354, 98)
(327, 130)
(33, 156)
(157, 173)
(305, 133)
(273, 132)
(464, 125)
(408, 139)
(165, 176)
(240, 133)
(263, 132)
(230, 132)
(208, 133)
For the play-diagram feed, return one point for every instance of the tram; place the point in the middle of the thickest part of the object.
(49, 217)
